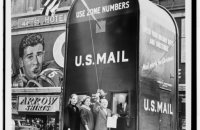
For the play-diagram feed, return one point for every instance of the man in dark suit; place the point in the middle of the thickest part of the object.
(124, 114)
(72, 114)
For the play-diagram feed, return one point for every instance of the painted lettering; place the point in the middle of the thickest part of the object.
(52, 100)
(80, 14)
(123, 57)
(94, 11)
(152, 105)
(111, 58)
(88, 59)
(146, 104)
(101, 58)
(118, 56)
(78, 61)
(44, 101)
(115, 7)
(105, 58)
(157, 106)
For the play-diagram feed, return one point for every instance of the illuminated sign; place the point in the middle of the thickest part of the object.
(39, 21)
(38, 103)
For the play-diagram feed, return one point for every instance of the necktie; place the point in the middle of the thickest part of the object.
(74, 108)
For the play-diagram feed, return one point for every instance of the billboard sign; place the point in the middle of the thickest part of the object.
(40, 103)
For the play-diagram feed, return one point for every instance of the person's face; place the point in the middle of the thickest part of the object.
(74, 100)
(104, 103)
(87, 102)
(32, 60)
(121, 99)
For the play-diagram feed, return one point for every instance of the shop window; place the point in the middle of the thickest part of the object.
(120, 104)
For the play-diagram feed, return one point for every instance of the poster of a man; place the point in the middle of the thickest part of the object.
(33, 71)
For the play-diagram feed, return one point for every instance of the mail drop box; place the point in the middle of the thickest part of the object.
(127, 48)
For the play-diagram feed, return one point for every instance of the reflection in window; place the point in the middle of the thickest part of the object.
(120, 104)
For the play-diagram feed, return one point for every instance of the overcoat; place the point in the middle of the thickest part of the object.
(101, 118)
(86, 119)
(73, 118)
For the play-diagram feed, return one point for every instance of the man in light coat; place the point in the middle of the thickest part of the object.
(101, 112)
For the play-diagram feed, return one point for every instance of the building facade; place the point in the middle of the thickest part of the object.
(38, 106)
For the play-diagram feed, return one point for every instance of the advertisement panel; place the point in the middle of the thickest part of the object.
(37, 72)
(38, 59)
(38, 21)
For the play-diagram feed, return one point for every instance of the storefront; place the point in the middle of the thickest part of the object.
(40, 110)
(39, 106)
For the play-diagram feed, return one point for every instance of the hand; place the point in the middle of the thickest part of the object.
(115, 116)
(97, 94)
(96, 97)
(22, 77)
(86, 127)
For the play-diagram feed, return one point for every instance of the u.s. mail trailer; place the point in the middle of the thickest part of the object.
(128, 48)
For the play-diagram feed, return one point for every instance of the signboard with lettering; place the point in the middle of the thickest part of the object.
(39, 21)
(38, 103)
(157, 51)
(54, 42)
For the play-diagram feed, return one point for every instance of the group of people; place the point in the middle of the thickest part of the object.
(35, 72)
(87, 116)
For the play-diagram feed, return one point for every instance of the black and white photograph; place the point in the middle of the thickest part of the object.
(97, 65)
